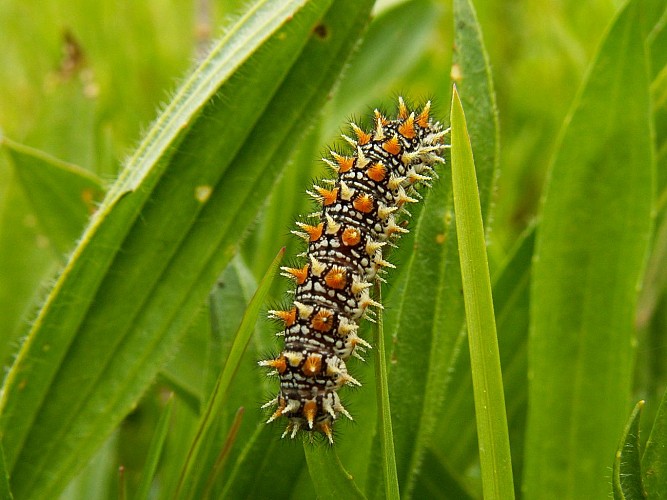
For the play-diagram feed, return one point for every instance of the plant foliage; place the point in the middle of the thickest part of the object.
(138, 247)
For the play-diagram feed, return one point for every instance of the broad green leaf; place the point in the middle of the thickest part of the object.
(590, 252)
(654, 460)
(114, 315)
(331, 480)
(287, 199)
(62, 195)
(627, 473)
(492, 433)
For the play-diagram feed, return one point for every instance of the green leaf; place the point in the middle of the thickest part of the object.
(493, 438)
(654, 460)
(428, 319)
(195, 465)
(590, 253)
(385, 431)
(5, 493)
(63, 195)
(471, 71)
(456, 445)
(268, 457)
(155, 450)
(115, 315)
(331, 480)
(627, 474)
(26, 259)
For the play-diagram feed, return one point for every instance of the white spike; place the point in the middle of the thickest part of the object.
(379, 129)
(317, 268)
(301, 235)
(270, 403)
(332, 225)
(384, 211)
(340, 408)
(359, 286)
(362, 160)
(346, 192)
(349, 140)
(303, 310)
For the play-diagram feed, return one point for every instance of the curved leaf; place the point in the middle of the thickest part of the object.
(627, 473)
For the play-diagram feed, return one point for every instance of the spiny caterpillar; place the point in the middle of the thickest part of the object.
(359, 216)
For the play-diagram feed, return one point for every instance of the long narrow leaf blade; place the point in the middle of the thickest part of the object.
(590, 251)
(493, 437)
(385, 430)
(457, 444)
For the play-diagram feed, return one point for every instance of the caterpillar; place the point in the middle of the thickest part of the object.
(360, 214)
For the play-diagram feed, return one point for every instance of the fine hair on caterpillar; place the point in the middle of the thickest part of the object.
(360, 215)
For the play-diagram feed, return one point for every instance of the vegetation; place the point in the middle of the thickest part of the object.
(138, 247)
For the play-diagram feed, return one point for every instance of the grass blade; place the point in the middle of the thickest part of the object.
(490, 413)
(195, 462)
(457, 444)
(387, 452)
(155, 450)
